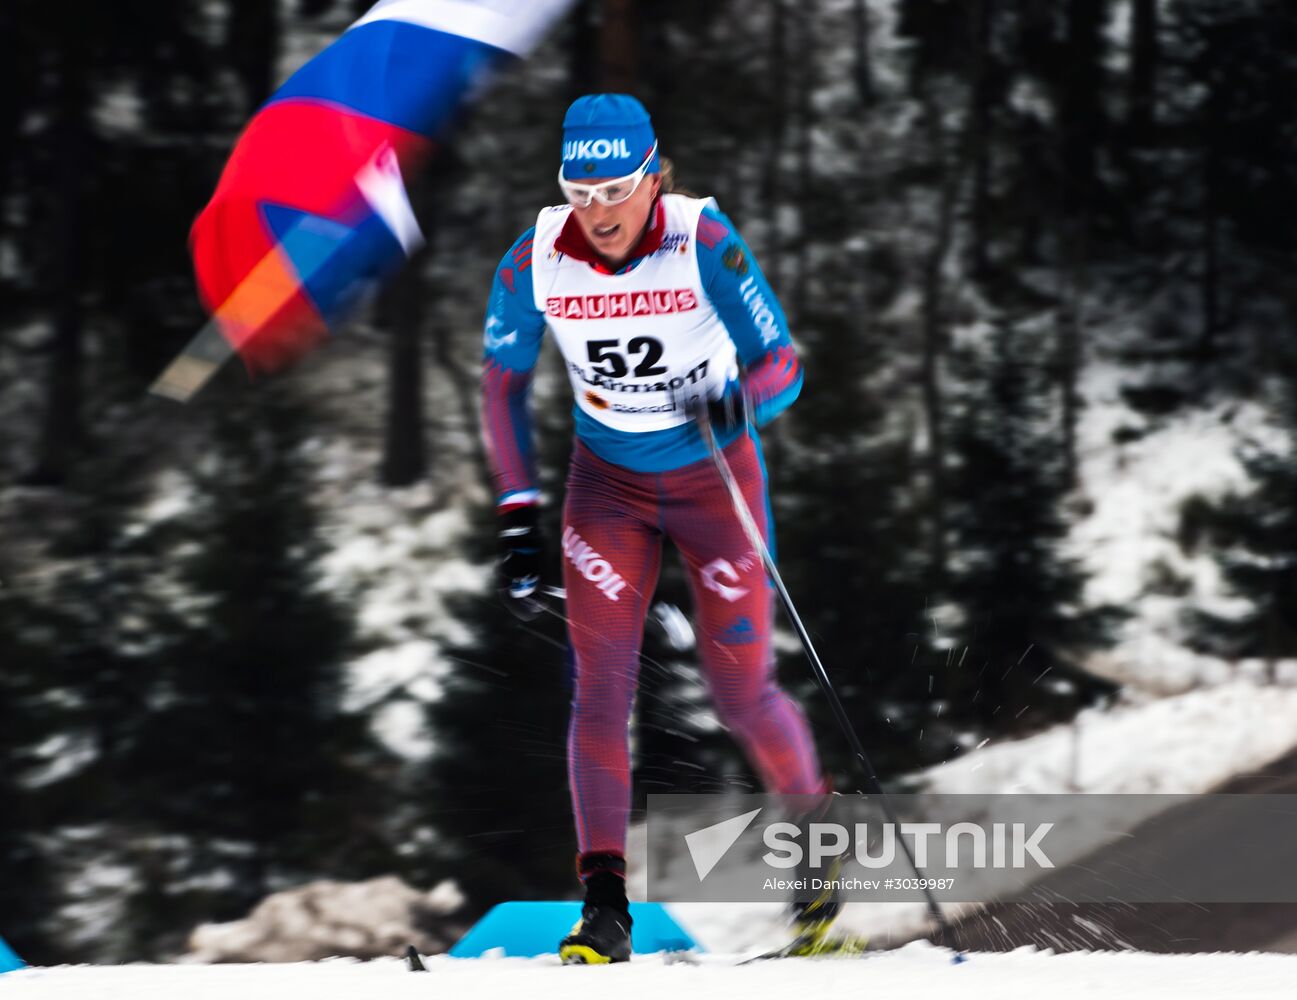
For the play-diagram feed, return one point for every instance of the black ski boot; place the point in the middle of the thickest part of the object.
(602, 935)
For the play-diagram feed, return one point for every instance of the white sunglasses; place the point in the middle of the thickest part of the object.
(612, 192)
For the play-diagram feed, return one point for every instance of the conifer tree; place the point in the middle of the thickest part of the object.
(1255, 536)
(1023, 627)
(27, 892)
(495, 790)
(850, 545)
(248, 759)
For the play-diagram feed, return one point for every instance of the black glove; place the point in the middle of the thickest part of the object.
(726, 414)
(522, 550)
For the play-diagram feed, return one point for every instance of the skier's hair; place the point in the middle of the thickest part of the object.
(669, 185)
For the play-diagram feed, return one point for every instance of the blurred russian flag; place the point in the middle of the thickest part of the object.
(311, 210)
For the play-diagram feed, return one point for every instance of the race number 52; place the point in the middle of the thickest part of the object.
(608, 353)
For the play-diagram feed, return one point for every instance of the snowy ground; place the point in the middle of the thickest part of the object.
(915, 972)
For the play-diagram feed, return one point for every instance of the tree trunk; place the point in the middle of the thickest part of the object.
(864, 67)
(404, 452)
(979, 122)
(1273, 636)
(1214, 122)
(618, 51)
(61, 428)
(12, 95)
(581, 68)
(1144, 58)
(1036, 45)
(406, 312)
(253, 41)
(805, 165)
(934, 339)
(1080, 101)
(777, 121)
(1036, 55)
(1081, 97)
(1069, 347)
(1210, 283)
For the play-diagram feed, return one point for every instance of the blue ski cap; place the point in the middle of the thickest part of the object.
(606, 135)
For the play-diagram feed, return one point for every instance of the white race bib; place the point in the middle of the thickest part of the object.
(637, 345)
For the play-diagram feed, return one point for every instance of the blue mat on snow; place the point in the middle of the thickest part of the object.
(524, 930)
(8, 960)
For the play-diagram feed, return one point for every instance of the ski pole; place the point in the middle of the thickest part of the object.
(821, 675)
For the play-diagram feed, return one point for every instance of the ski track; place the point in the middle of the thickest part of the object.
(916, 972)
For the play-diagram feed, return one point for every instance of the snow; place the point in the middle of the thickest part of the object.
(1177, 745)
(402, 559)
(403, 728)
(321, 919)
(1128, 542)
(59, 756)
(410, 666)
(120, 111)
(397, 557)
(96, 892)
(916, 972)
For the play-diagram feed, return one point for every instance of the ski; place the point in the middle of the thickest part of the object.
(832, 948)
(837, 948)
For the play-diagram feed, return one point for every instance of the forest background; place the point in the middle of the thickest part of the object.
(1036, 255)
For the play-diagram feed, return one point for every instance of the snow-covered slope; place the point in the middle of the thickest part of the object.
(1186, 744)
(1137, 475)
(916, 972)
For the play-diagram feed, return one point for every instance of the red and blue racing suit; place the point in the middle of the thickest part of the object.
(625, 493)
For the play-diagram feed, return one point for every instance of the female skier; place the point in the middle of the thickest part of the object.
(658, 308)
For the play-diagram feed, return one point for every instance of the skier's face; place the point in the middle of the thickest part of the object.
(613, 230)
